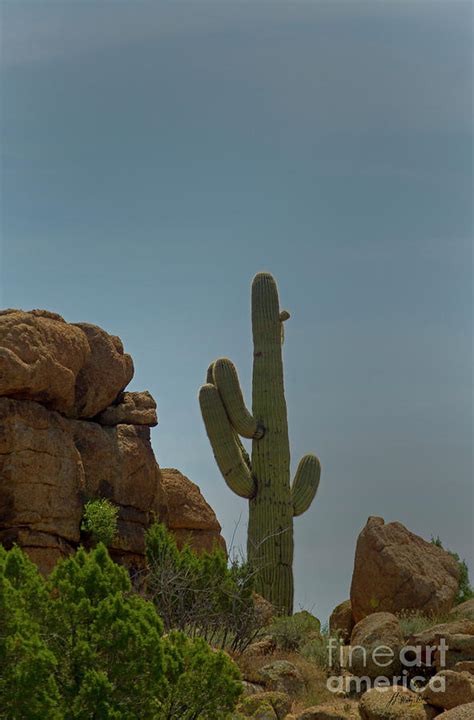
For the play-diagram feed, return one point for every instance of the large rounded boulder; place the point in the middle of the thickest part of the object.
(395, 570)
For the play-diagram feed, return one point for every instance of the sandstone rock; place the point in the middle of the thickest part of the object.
(462, 712)
(265, 610)
(336, 711)
(266, 646)
(190, 517)
(76, 369)
(282, 676)
(106, 372)
(465, 666)
(252, 688)
(394, 703)
(41, 480)
(130, 408)
(375, 646)
(460, 647)
(465, 609)
(274, 705)
(432, 634)
(341, 622)
(448, 689)
(119, 464)
(40, 358)
(396, 570)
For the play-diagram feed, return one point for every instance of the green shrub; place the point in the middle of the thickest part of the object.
(291, 632)
(324, 651)
(465, 589)
(413, 622)
(100, 520)
(201, 595)
(81, 645)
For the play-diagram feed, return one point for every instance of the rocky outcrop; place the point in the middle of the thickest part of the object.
(41, 481)
(190, 517)
(131, 408)
(396, 570)
(341, 622)
(69, 433)
(40, 358)
(106, 372)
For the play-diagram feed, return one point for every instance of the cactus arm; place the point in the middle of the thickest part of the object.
(227, 381)
(305, 484)
(227, 451)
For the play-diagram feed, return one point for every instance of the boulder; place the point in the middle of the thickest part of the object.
(465, 666)
(465, 609)
(394, 703)
(448, 689)
(190, 517)
(376, 642)
(335, 711)
(462, 712)
(396, 570)
(442, 630)
(460, 647)
(106, 372)
(274, 705)
(130, 408)
(41, 481)
(341, 621)
(40, 358)
(282, 676)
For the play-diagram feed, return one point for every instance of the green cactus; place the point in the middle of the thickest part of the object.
(265, 479)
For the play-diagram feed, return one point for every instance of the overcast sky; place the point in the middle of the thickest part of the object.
(157, 154)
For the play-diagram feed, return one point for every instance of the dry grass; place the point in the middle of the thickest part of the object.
(315, 692)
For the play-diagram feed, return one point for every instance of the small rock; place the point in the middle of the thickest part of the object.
(465, 666)
(341, 711)
(130, 408)
(282, 676)
(271, 705)
(252, 688)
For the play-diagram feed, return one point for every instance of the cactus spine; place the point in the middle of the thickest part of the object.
(265, 480)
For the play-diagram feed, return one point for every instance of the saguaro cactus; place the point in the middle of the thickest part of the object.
(265, 479)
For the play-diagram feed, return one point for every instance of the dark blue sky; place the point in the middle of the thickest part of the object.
(155, 155)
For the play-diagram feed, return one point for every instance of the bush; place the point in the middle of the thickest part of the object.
(201, 595)
(80, 646)
(413, 622)
(291, 632)
(324, 651)
(465, 590)
(100, 520)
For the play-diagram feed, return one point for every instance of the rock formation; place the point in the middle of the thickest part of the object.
(396, 570)
(69, 432)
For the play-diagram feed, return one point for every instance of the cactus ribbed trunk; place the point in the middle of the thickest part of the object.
(270, 531)
(265, 480)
